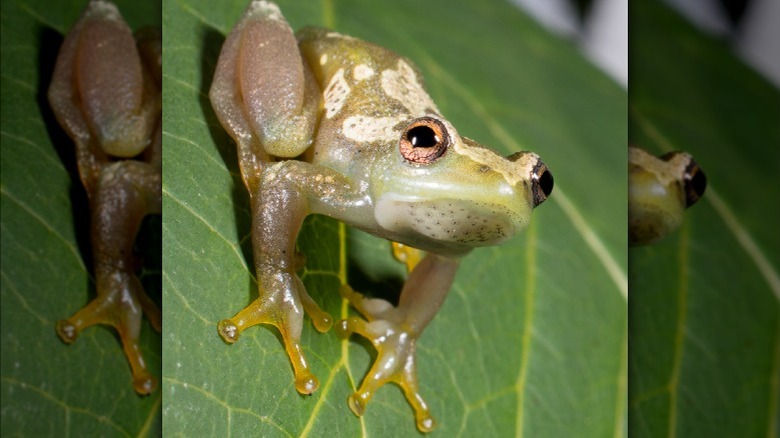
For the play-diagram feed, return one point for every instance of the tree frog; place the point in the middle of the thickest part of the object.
(659, 191)
(105, 92)
(328, 124)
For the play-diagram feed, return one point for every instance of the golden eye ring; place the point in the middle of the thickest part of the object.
(424, 141)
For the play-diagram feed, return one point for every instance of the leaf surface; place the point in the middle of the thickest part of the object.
(532, 338)
(49, 388)
(704, 321)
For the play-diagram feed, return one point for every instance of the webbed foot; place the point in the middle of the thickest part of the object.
(120, 303)
(282, 306)
(395, 344)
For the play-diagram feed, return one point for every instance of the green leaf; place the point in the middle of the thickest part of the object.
(532, 338)
(705, 327)
(49, 388)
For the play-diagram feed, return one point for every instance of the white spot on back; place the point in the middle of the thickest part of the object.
(370, 129)
(339, 35)
(402, 85)
(324, 59)
(336, 94)
(361, 72)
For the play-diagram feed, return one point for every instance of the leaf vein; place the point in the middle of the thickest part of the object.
(45, 224)
(64, 406)
(227, 241)
(23, 300)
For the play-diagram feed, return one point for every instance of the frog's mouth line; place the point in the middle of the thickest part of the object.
(449, 221)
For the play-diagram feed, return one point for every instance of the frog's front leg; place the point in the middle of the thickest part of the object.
(125, 192)
(394, 332)
(290, 190)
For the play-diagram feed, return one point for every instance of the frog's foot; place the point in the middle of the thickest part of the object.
(119, 303)
(395, 345)
(407, 255)
(283, 312)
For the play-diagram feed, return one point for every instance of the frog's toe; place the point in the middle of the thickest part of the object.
(306, 383)
(344, 328)
(67, 331)
(408, 383)
(322, 320)
(93, 313)
(144, 383)
(358, 401)
(426, 424)
(407, 255)
(228, 331)
(150, 309)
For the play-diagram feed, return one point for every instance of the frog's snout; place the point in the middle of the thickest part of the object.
(532, 169)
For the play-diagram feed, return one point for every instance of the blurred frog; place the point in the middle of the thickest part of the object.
(105, 92)
(659, 191)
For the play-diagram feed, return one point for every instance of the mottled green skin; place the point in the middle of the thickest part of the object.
(358, 137)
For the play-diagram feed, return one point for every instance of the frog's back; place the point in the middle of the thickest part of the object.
(367, 91)
(341, 60)
(327, 52)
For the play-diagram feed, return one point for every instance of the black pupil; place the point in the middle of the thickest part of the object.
(546, 182)
(695, 187)
(422, 137)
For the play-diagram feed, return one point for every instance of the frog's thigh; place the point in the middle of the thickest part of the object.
(279, 93)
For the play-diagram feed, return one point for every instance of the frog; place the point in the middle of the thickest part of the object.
(106, 94)
(325, 123)
(660, 189)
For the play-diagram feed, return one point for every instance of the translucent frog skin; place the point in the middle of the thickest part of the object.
(659, 191)
(372, 151)
(105, 92)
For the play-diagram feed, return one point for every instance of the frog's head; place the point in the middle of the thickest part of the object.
(438, 186)
(660, 189)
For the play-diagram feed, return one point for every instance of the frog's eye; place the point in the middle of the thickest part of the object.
(424, 141)
(541, 183)
(695, 182)
(693, 178)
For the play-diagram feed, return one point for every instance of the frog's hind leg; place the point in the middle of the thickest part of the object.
(125, 193)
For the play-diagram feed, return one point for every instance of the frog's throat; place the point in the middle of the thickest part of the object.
(448, 221)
